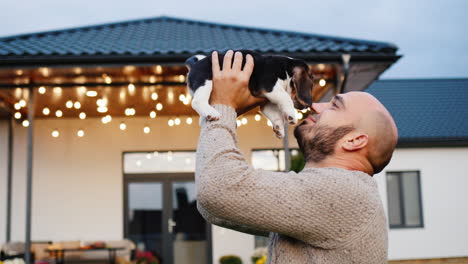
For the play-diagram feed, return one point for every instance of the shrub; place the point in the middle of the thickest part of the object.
(230, 259)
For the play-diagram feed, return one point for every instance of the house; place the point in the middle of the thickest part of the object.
(98, 138)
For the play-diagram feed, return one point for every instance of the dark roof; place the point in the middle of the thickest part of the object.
(166, 36)
(430, 112)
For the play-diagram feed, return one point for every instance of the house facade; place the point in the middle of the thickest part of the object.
(110, 137)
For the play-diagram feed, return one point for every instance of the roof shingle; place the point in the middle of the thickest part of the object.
(166, 35)
(426, 110)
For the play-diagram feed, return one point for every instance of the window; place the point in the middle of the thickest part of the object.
(404, 199)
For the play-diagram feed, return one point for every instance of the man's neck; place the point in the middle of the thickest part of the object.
(343, 163)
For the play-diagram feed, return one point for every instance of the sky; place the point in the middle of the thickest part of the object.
(432, 35)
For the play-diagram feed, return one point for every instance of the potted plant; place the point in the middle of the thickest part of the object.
(230, 259)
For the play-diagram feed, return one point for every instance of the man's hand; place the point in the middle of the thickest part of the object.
(230, 85)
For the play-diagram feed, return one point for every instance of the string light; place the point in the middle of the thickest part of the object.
(170, 96)
(189, 120)
(45, 111)
(244, 121)
(69, 104)
(181, 78)
(55, 133)
(170, 122)
(130, 111)
(80, 133)
(107, 119)
(42, 90)
(82, 115)
(152, 114)
(19, 72)
(17, 106)
(239, 123)
(102, 109)
(159, 107)
(299, 115)
(77, 105)
(101, 102)
(57, 90)
(131, 88)
(22, 103)
(182, 97)
(91, 93)
(25, 123)
(146, 130)
(17, 115)
(257, 117)
(322, 82)
(158, 69)
(152, 79)
(58, 113)
(123, 126)
(107, 79)
(154, 96)
(177, 121)
(82, 90)
(269, 123)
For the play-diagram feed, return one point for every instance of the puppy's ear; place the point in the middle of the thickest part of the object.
(304, 84)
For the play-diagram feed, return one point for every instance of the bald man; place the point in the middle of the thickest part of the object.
(331, 211)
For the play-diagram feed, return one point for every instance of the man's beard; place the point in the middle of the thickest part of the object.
(319, 141)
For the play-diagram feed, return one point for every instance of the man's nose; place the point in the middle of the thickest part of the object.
(319, 107)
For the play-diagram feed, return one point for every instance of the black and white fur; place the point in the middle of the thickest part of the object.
(284, 81)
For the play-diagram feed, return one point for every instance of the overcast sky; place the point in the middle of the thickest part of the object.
(432, 34)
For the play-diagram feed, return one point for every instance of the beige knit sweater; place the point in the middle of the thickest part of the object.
(320, 215)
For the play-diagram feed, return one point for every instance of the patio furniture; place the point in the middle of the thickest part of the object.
(59, 254)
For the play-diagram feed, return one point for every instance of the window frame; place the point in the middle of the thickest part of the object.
(399, 174)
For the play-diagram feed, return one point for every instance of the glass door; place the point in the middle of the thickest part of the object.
(161, 217)
(187, 227)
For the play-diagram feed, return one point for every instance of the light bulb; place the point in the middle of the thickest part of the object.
(154, 96)
(42, 90)
(77, 105)
(91, 93)
(239, 123)
(322, 82)
(177, 121)
(58, 113)
(123, 126)
(25, 123)
(269, 123)
(22, 103)
(182, 97)
(257, 117)
(69, 104)
(131, 88)
(146, 129)
(152, 114)
(80, 133)
(159, 107)
(17, 115)
(82, 115)
(189, 120)
(102, 109)
(57, 90)
(17, 106)
(244, 121)
(46, 111)
(55, 133)
(170, 122)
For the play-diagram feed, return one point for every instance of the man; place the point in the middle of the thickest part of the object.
(330, 212)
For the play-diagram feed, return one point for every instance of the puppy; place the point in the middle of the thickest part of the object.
(284, 81)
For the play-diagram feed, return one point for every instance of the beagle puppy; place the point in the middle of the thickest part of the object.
(286, 82)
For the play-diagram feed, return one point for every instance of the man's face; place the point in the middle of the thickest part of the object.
(319, 133)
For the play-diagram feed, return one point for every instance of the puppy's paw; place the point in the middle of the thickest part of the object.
(279, 130)
(290, 118)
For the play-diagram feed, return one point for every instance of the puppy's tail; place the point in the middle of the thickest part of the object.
(194, 59)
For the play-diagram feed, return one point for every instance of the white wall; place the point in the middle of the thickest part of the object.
(444, 190)
(3, 177)
(78, 182)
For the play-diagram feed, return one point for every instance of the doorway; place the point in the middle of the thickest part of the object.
(161, 217)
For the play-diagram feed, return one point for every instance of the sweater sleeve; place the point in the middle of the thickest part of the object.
(320, 208)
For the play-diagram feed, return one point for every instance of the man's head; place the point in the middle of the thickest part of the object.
(353, 130)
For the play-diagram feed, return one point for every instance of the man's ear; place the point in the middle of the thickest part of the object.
(355, 141)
